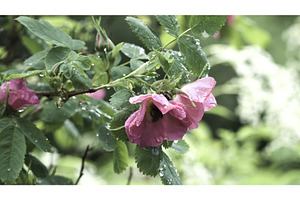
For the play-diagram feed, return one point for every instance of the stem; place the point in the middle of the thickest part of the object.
(205, 66)
(130, 176)
(82, 163)
(187, 30)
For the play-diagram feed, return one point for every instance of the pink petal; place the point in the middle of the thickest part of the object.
(199, 90)
(174, 129)
(209, 103)
(99, 94)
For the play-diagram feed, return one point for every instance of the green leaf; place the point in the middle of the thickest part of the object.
(117, 124)
(144, 33)
(169, 23)
(107, 141)
(31, 44)
(80, 80)
(52, 114)
(83, 62)
(120, 99)
(55, 56)
(120, 157)
(163, 62)
(180, 146)
(195, 57)
(133, 51)
(55, 180)
(35, 61)
(100, 78)
(148, 159)
(134, 64)
(119, 72)
(13, 149)
(179, 68)
(46, 31)
(36, 166)
(33, 134)
(209, 24)
(99, 65)
(167, 172)
(23, 75)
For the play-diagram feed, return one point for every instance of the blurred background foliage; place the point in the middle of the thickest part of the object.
(251, 137)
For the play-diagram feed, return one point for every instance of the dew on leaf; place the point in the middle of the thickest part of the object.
(8, 169)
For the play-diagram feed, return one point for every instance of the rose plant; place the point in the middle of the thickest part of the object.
(153, 99)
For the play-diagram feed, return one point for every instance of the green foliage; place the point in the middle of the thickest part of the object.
(120, 157)
(133, 51)
(13, 149)
(23, 75)
(144, 33)
(195, 57)
(167, 171)
(169, 23)
(207, 24)
(180, 146)
(56, 56)
(107, 141)
(120, 99)
(163, 62)
(46, 31)
(36, 166)
(148, 159)
(55, 180)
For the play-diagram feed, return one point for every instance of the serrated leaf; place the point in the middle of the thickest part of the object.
(52, 114)
(167, 171)
(209, 24)
(180, 146)
(46, 31)
(120, 157)
(119, 72)
(163, 62)
(35, 61)
(133, 51)
(33, 134)
(117, 124)
(144, 33)
(169, 23)
(120, 99)
(83, 62)
(36, 166)
(12, 152)
(148, 159)
(107, 141)
(23, 75)
(195, 57)
(55, 56)
(80, 80)
(134, 64)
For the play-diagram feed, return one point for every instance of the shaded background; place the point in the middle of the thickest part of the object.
(251, 137)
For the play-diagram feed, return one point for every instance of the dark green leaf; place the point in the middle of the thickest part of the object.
(99, 65)
(133, 51)
(46, 31)
(144, 33)
(100, 78)
(23, 75)
(80, 80)
(35, 61)
(52, 114)
(167, 172)
(107, 141)
(120, 99)
(179, 68)
(33, 134)
(83, 62)
(180, 146)
(55, 56)
(120, 157)
(55, 180)
(117, 124)
(169, 23)
(119, 72)
(36, 166)
(67, 70)
(13, 149)
(148, 159)
(195, 57)
(209, 24)
(163, 62)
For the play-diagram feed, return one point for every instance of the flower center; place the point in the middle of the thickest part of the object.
(153, 111)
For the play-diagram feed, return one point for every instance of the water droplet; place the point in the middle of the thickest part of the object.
(41, 74)
(107, 133)
(21, 110)
(35, 141)
(179, 54)
(30, 64)
(8, 169)
(124, 74)
(97, 135)
(47, 139)
(93, 64)
(161, 173)
(155, 151)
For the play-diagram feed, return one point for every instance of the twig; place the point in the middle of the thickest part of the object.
(82, 163)
(130, 176)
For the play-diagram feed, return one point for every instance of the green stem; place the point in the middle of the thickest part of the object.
(187, 30)
(203, 70)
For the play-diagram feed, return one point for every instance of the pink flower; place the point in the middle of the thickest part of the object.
(19, 95)
(99, 94)
(199, 92)
(156, 120)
